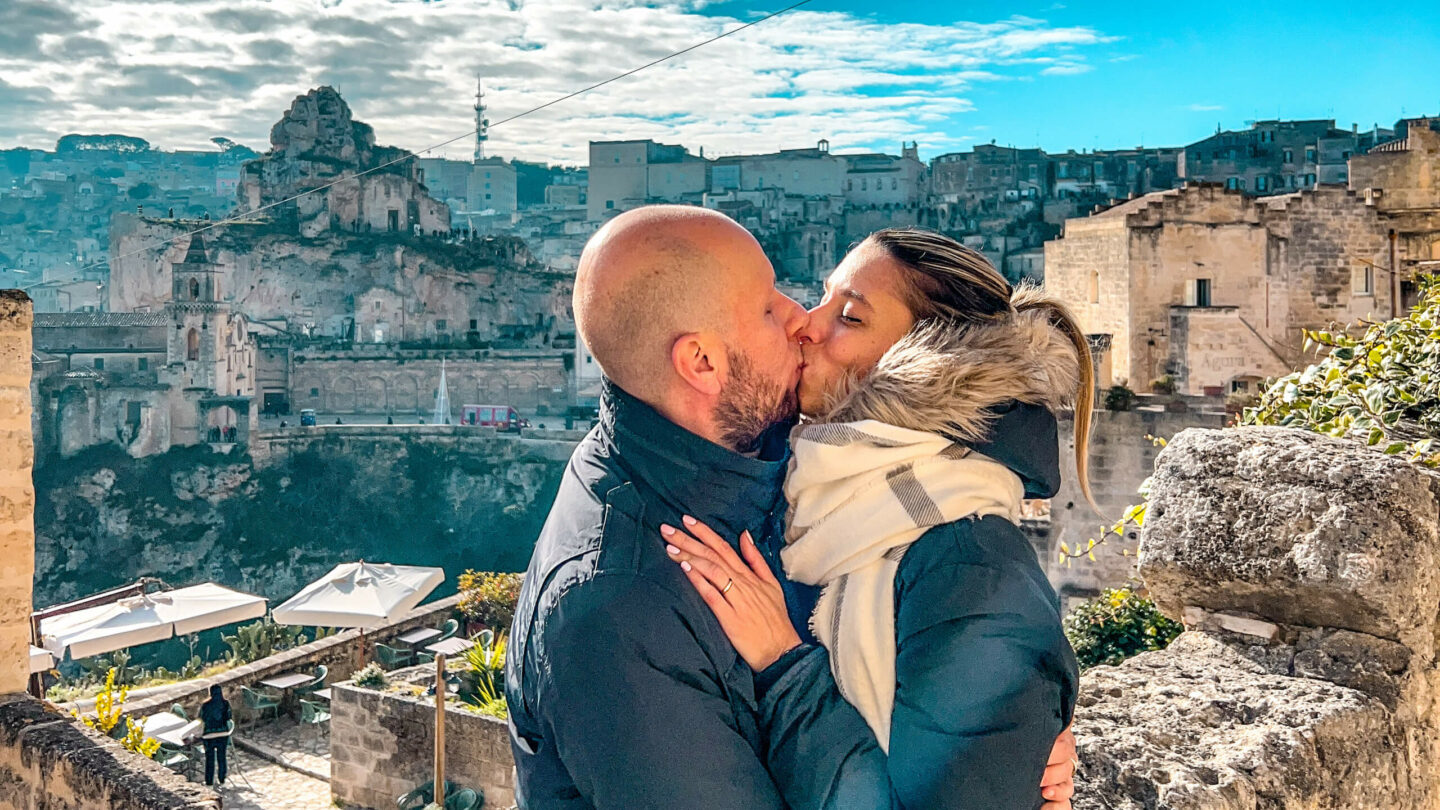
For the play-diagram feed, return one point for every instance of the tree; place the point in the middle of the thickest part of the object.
(140, 191)
(126, 144)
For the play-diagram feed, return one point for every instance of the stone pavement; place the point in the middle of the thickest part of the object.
(271, 787)
(303, 748)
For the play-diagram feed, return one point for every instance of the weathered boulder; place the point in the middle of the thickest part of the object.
(1296, 528)
(1197, 726)
(1305, 570)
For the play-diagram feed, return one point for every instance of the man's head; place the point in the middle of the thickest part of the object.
(679, 307)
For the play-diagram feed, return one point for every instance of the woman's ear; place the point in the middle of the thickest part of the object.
(699, 359)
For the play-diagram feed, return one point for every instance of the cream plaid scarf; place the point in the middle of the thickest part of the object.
(860, 493)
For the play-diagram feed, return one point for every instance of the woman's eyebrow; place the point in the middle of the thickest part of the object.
(856, 296)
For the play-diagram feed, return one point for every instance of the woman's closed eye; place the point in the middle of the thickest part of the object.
(846, 317)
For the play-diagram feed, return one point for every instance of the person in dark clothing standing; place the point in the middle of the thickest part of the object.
(215, 714)
(622, 688)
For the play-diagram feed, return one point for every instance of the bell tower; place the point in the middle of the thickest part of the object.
(197, 317)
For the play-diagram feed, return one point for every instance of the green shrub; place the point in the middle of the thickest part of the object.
(1382, 388)
(1115, 625)
(1165, 386)
(1119, 398)
(489, 598)
(485, 674)
(262, 639)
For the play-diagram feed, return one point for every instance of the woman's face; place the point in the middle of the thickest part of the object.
(863, 314)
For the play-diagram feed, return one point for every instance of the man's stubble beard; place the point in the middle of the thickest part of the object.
(750, 405)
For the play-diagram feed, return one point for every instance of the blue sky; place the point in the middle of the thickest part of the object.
(860, 73)
(1171, 61)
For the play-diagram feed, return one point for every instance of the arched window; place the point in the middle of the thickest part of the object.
(1094, 286)
(194, 289)
(192, 345)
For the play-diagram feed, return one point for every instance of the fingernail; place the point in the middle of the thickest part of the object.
(666, 529)
(745, 535)
(684, 566)
(671, 550)
(689, 521)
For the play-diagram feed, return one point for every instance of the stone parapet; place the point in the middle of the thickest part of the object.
(49, 761)
(1305, 570)
(383, 744)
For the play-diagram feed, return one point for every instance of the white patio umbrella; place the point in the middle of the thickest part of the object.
(146, 618)
(40, 660)
(360, 594)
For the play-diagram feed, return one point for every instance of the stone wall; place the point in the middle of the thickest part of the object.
(1121, 458)
(1100, 300)
(383, 745)
(49, 762)
(17, 492)
(386, 381)
(1307, 571)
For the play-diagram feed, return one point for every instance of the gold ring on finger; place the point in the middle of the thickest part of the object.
(728, 585)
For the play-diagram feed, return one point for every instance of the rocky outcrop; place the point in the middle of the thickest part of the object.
(1305, 570)
(272, 521)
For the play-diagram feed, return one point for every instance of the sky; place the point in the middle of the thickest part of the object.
(864, 74)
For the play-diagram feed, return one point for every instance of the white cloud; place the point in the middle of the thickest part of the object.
(178, 72)
(1204, 107)
(1066, 69)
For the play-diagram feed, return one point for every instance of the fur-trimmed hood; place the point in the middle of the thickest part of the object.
(944, 379)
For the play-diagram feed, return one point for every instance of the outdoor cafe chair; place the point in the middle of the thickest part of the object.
(448, 629)
(315, 715)
(173, 758)
(423, 795)
(464, 799)
(424, 658)
(392, 657)
(260, 702)
(315, 685)
(179, 711)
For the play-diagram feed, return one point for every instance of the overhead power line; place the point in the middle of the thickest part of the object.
(243, 215)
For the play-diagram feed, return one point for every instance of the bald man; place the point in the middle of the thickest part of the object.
(623, 691)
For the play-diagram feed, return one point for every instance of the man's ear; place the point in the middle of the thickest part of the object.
(699, 359)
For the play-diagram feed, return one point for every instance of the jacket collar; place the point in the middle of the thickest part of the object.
(1026, 439)
(691, 475)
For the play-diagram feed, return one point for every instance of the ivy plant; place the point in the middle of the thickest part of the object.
(1382, 388)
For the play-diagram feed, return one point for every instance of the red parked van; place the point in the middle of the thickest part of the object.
(501, 417)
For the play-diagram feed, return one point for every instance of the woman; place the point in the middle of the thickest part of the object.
(215, 714)
(930, 388)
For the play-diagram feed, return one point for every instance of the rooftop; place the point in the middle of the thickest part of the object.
(59, 320)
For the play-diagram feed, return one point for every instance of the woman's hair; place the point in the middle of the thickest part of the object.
(950, 283)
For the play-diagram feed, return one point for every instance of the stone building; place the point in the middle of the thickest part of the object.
(1278, 157)
(988, 174)
(629, 174)
(878, 180)
(1211, 286)
(377, 380)
(317, 145)
(801, 173)
(147, 381)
